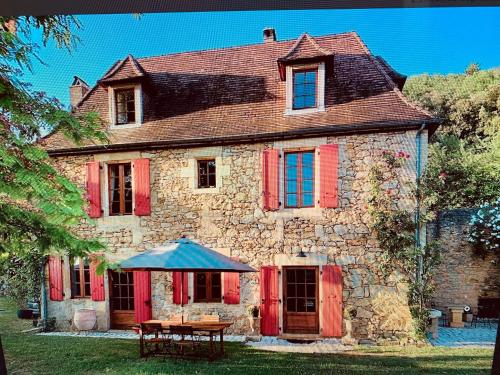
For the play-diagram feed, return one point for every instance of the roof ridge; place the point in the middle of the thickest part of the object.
(391, 83)
(338, 35)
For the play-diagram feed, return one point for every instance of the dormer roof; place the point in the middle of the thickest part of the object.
(304, 49)
(77, 81)
(126, 69)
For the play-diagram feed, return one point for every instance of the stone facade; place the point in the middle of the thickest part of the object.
(230, 219)
(463, 276)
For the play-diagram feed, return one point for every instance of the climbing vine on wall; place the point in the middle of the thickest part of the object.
(391, 206)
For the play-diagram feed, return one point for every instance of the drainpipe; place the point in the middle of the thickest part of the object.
(43, 293)
(418, 142)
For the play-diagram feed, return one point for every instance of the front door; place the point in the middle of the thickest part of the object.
(121, 299)
(300, 296)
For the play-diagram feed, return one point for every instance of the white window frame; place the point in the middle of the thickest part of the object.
(137, 103)
(320, 94)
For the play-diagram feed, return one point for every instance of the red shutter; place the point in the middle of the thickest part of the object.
(93, 187)
(55, 279)
(269, 323)
(328, 169)
(96, 282)
(176, 286)
(142, 296)
(231, 288)
(332, 301)
(141, 187)
(270, 179)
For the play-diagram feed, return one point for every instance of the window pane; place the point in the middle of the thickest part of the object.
(301, 305)
(311, 305)
(291, 200)
(307, 158)
(291, 160)
(310, 76)
(298, 102)
(211, 180)
(309, 101)
(211, 166)
(87, 289)
(290, 275)
(310, 276)
(291, 305)
(299, 78)
(203, 181)
(301, 290)
(307, 186)
(307, 199)
(311, 290)
(291, 186)
(290, 289)
(128, 207)
(291, 173)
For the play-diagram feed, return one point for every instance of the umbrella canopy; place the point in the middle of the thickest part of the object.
(183, 255)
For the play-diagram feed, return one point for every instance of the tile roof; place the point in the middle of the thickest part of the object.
(235, 95)
(305, 48)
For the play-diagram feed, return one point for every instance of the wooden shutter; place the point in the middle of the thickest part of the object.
(55, 279)
(93, 186)
(270, 179)
(176, 286)
(231, 288)
(269, 294)
(328, 169)
(142, 199)
(142, 296)
(332, 301)
(96, 282)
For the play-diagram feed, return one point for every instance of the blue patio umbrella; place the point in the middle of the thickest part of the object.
(183, 255)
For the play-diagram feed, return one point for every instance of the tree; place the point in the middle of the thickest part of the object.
(39, 207)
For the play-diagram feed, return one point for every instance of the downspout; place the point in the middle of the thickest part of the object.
(418, 141)
(43, 296)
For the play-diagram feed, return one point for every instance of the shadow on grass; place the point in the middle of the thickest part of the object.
(31, 354)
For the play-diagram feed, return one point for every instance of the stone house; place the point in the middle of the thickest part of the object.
(261, 152)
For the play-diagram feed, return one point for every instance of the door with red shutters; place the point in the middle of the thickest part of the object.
(121, 299)
(269, 307)
(300, 300)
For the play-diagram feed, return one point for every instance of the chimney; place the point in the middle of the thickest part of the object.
(269, 35)
(77, 90)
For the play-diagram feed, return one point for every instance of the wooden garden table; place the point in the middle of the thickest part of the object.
(212, 328)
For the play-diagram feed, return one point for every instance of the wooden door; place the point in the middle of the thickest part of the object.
(121, 290)
(300, 296)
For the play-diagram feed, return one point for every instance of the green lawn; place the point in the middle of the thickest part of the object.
(30, 354)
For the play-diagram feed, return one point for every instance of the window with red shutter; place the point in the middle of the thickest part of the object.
(270, 179)
(180, 293)
(142, 296)
(55, 279)
(231, 288)
(96, 282)
(328, 169)
(332, 300)
(141, 175)
(93, 187)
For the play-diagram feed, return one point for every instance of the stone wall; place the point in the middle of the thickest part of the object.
(463, 276)
(231, 220)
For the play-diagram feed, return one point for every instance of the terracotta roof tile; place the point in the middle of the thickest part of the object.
(236, 93)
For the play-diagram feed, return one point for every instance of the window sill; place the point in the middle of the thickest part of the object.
(206, 190)
(305, 111)
(125, 126)
(298, 212)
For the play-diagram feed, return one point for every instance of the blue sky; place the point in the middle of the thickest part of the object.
(413, 41)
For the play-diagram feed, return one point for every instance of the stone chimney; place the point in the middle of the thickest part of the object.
(77, 90)
(269, 35)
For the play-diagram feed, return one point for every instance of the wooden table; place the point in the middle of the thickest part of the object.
(212, 328)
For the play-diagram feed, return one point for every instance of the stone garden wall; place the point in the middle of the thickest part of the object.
(463, 276)
(230, 219)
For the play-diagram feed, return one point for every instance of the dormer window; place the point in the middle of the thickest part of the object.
(125, 106)
(305, 88)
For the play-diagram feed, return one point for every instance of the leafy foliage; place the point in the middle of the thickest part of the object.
(395, 230)
(461, 175)
(464, 157)
(38, 206)
(469, 104)
(485, 228)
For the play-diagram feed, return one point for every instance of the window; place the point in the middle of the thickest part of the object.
(206, 174)
(125, 106)
(207, 287)
(120, 189)
(122, 290)
(299, 179)
(80, 278)
(304, 88)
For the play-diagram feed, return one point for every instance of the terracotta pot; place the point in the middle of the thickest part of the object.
(85, 319)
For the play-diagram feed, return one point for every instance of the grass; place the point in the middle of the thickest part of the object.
(31, 354)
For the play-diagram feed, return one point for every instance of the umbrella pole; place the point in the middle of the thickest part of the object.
(182, 296)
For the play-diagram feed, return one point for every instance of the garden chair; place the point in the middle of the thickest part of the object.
(187, 342)
(159, 344)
